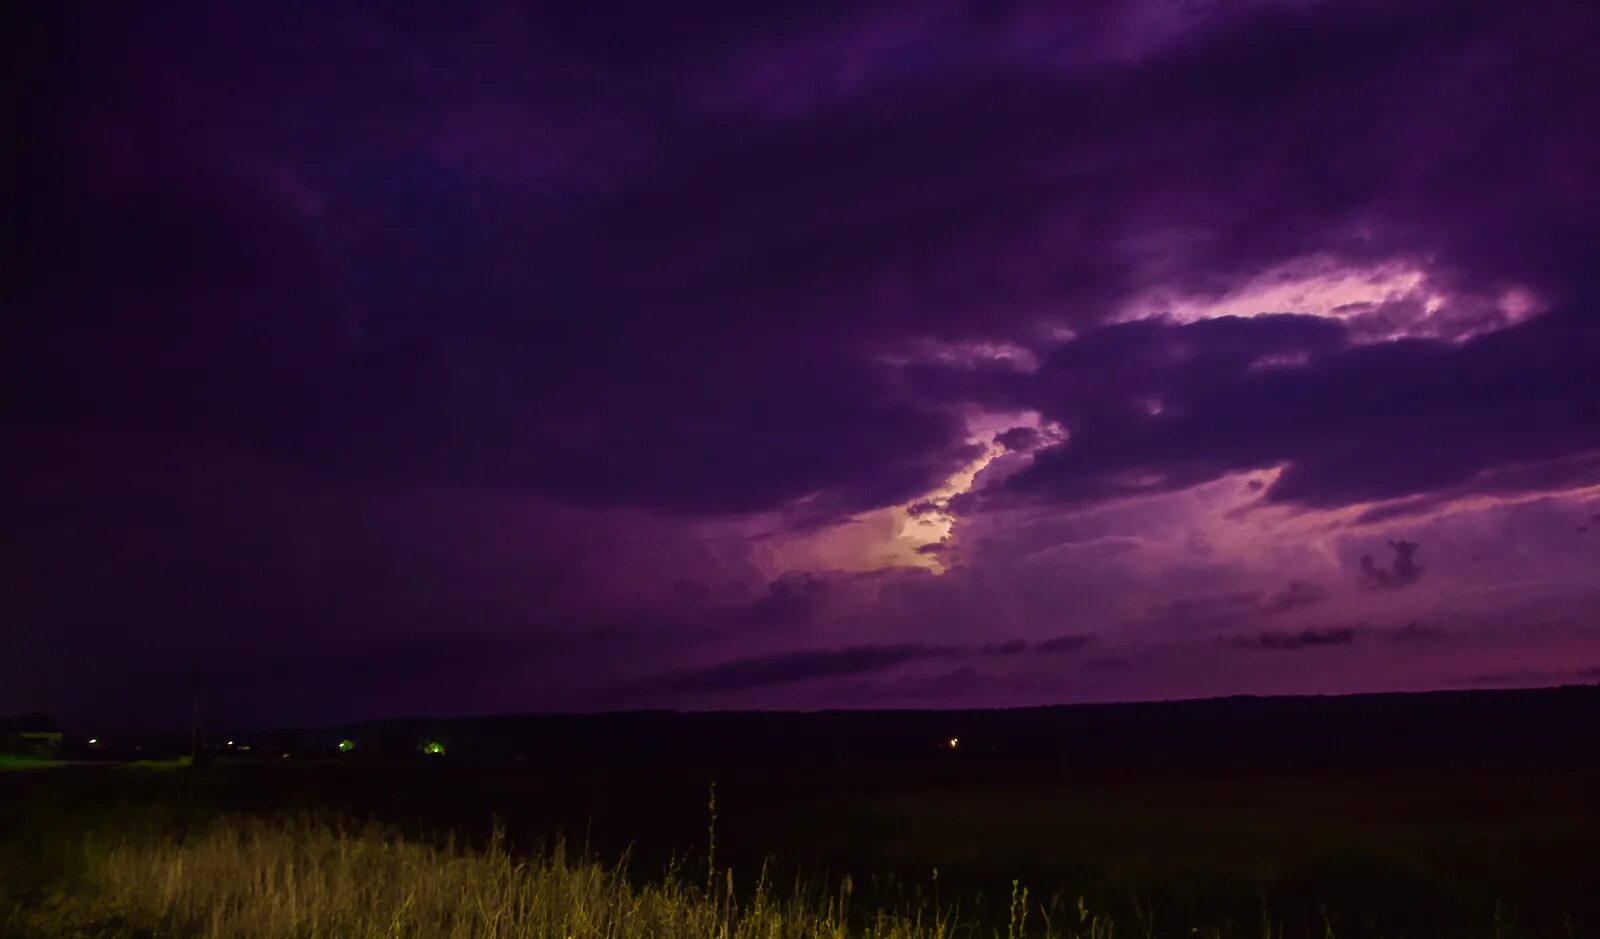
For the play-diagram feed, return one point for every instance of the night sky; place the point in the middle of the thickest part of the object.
(464, 358)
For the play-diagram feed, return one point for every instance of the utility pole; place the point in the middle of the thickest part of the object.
(194, 722)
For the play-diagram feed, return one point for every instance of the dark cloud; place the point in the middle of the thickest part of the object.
(322, 677)
(788, 602)
(1403, 571)
(1350, 424)
(1209, 609)
(373, 326)
(1550, 476)
(1415, 632)
(1070, 643)
(1278, 641)
(941, 686)
(1009, 647)
(1293, 597)
(1218, 610)
(782, 668)
(1018, 438)
(898, 689)
(388, 273)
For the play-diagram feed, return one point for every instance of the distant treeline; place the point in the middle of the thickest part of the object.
(1536, 729)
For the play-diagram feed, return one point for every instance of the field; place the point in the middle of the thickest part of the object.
(615, 844)
(150, 850)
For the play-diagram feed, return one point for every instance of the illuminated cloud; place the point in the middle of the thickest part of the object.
(1379, 303)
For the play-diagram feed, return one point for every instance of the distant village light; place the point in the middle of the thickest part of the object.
(433, 748)
(953, 742)
(93, 741)
(346, 745)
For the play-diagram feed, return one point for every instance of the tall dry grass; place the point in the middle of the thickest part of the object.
(246, 878)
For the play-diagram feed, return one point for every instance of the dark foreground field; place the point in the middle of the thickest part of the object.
(1487, 840)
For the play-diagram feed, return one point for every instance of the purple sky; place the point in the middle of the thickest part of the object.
(460, 358)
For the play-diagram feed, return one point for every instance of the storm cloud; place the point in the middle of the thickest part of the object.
(667, 352)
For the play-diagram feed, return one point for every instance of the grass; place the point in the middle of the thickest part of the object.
(275, 850)
(18, 763)
(249, 878)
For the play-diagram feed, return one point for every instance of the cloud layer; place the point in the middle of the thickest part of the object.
(631, 350)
